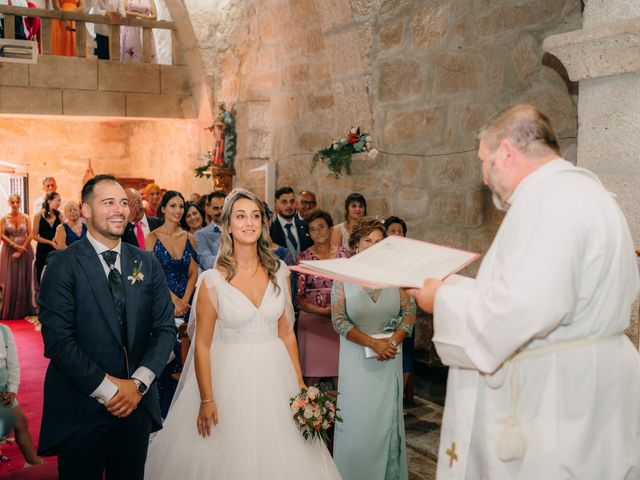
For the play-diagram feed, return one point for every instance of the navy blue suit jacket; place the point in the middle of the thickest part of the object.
(82, 336)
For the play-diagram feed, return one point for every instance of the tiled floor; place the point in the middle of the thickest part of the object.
(422, 425)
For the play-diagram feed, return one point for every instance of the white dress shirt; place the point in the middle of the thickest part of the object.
(101, 7)
(107, 389)
(9, 360)
(294, 231)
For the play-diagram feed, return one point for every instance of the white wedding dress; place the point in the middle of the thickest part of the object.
(253, 379)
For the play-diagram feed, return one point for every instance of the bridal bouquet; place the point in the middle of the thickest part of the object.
(314, 410)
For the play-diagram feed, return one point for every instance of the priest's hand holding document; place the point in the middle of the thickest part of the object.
(395, 262)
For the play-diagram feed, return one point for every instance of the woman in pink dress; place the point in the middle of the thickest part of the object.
(131, 37)
(318, 343)
(16, 260)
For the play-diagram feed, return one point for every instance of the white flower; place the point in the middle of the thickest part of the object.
(308, 412)
(368, 139)
(373, 153)
(313, 392)
(335, 146)
(354, 130)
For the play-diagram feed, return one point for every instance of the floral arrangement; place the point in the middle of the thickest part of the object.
(207, 161)
(338, 154)
(314, 410)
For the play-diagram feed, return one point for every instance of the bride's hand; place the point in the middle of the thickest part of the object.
(208, 411)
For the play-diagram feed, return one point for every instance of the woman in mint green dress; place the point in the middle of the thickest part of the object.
(370, 443)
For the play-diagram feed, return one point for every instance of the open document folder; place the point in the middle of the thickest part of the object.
(393, 262)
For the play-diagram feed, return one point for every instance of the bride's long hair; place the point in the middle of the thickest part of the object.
(266, 255)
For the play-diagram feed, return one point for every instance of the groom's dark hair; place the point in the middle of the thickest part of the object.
(87, 188)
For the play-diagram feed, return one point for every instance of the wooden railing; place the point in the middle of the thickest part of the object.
(46, 16)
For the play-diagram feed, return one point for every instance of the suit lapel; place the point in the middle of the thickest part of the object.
(130, 262)
(92, 265)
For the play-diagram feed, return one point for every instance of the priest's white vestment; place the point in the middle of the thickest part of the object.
(538, 356)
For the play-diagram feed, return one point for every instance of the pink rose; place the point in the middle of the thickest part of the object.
(312, 393)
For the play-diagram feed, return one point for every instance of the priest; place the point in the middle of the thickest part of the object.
(543, 381)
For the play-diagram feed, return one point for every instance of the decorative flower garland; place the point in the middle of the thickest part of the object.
(338, 155)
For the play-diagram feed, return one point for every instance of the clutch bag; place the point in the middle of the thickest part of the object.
(369, 353)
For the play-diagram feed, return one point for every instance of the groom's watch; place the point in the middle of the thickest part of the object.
(141, 388)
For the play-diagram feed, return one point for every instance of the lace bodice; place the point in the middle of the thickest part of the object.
(19, 234)
(239, 320)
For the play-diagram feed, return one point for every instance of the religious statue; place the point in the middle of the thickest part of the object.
(218, 162)
(224, 138)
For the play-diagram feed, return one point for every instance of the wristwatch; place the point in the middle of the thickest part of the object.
(141, 388)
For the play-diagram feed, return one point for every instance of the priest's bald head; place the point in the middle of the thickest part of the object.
(513, 144)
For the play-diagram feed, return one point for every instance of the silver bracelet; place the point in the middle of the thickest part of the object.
(202, 402)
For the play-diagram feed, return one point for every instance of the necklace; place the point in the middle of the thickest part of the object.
(248, 268)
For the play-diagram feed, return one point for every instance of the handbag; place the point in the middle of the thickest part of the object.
(368, 351)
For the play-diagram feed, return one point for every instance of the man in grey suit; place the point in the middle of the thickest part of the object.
(108, 328)
(207, 238)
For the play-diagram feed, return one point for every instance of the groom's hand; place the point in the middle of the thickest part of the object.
(126, 398)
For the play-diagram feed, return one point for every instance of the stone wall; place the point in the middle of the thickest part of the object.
(421, 76)
(159, 149)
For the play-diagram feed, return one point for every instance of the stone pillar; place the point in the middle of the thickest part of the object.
(603, 57)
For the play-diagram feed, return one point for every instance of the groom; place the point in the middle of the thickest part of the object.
(108, 328)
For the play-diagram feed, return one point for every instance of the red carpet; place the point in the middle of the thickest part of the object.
(33, 365)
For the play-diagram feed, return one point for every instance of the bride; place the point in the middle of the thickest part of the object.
(230, 418)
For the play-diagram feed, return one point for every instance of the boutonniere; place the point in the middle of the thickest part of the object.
(136, 275)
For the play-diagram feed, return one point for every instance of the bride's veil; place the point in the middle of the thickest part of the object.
(207, 281)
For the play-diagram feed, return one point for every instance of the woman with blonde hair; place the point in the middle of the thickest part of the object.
(73, 228)
(242, 369)
(152, 194)
(16, 260)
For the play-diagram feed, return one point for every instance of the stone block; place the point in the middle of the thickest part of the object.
(425, 124)
(410, 203)
(386, 6)
(64, 72)
(14, 74)
(261, 86)
(347, 52)
(454, 171)
(360, 8)
(512, 17)
(399, 79)
(259, 144)
(128, 77)
(319, 71)
(174, 80)
(474, 209)
(320, 102)
(527, 57)
(84, 102)
(352, 104)
(391, 33)
(431, 25)
(598, 12)
(410, 168)
(447, 210)
(31, 100)
(480, 242)
(313, 141)
(270, 22)
(459, 73)
(159, 106)
(258, 115)
(315, 41)
(283, 108)
(471, 118)
(377, 207)
(296, 74)
(446, 238)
